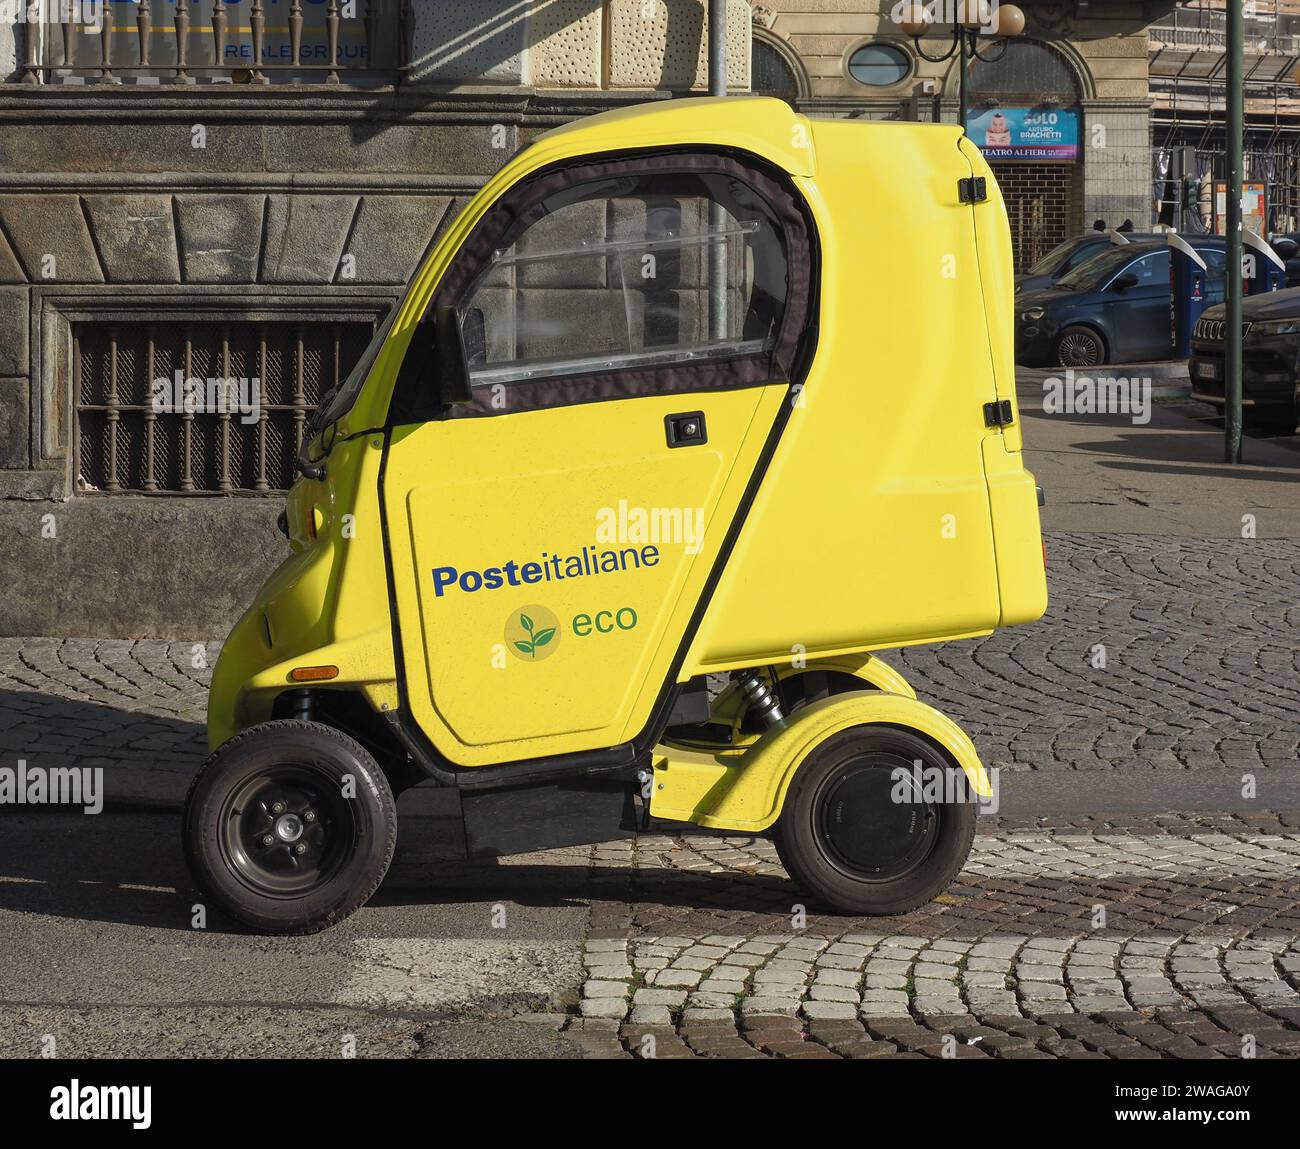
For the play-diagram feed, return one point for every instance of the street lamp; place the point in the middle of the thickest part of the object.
(969, 17)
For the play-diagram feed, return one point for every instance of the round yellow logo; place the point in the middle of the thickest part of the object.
(532, 633)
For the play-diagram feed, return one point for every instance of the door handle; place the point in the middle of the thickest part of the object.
(686, 429)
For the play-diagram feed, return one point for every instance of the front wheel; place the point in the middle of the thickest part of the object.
(876, 821)
(289, 827)
(1079, 346)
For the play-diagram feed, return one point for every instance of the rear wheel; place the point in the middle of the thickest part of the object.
(289, 827)
(1079, 346)
(869, 833)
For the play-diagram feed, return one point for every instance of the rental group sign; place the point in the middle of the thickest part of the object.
(1025, 133)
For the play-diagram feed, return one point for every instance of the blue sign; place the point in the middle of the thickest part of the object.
(1025, 133)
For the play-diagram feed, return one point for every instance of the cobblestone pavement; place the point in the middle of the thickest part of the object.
(1200, 660)
(1056, 943)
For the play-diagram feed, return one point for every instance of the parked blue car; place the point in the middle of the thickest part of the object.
(1112, 308)
(1065, 257)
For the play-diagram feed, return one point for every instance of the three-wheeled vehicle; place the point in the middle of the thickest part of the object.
(693, 407)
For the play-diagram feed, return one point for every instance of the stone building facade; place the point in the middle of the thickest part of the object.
(239, 189)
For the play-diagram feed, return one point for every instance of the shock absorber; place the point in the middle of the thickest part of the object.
(297, 704)
(763, 702)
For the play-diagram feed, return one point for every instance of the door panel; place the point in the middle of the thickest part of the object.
(578, 484)
(1141, 314)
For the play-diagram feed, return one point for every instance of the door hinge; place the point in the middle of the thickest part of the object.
(972, 189)
(998, 413)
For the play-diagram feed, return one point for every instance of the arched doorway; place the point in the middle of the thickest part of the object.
(1025, 113)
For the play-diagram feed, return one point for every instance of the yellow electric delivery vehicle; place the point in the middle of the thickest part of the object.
(694, 406)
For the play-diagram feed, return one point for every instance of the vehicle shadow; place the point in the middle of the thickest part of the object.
(127, 868)
(124, 864)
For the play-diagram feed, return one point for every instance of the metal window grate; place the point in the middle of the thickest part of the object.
(126, 441)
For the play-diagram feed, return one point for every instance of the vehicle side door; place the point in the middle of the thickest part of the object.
(1139, 311)
(631, 328)
(1216, 279)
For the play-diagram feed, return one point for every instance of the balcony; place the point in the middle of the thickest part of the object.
(360, 43)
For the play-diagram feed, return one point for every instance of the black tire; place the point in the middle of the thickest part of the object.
(842, 839)
(1079, 346)
(268, 791)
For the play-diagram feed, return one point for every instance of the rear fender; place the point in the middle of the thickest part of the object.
(745, 790)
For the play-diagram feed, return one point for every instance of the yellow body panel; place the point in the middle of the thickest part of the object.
(324, 605)
(879, 475)
(745, 791)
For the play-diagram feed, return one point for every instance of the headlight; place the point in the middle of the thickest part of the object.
(1278, 327)
(1034, 313)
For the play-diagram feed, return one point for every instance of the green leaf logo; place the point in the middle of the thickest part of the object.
(533, 633)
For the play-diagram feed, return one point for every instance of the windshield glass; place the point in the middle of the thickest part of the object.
(1048, 263)
(337, 402)
(1092, 273)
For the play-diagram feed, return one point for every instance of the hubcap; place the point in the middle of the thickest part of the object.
(1079, 351)
(288, 827)
(871, 821)
(287, 831)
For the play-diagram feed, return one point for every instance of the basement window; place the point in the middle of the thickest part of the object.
(204, 407)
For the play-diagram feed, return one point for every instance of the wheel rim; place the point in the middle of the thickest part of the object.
(871, 819)
(1079, 349)
(287, 831)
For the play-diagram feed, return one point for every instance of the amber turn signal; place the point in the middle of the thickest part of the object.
(313, 673)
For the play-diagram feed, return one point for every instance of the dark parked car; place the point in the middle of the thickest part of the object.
(1287, 246)
(1113, 308)
(1270, 351)
(1068, 255)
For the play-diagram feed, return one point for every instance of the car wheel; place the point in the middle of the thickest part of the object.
(289, 827)
(1080, 347)
(857, 832)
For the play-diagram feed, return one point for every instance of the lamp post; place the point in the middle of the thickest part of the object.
(970, 17)
(1235, 125)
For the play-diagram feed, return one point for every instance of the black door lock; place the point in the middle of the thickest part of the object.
(686, 429)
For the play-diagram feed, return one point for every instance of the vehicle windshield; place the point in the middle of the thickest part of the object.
(338, 401)
(1092, 273)
(1049, 262)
